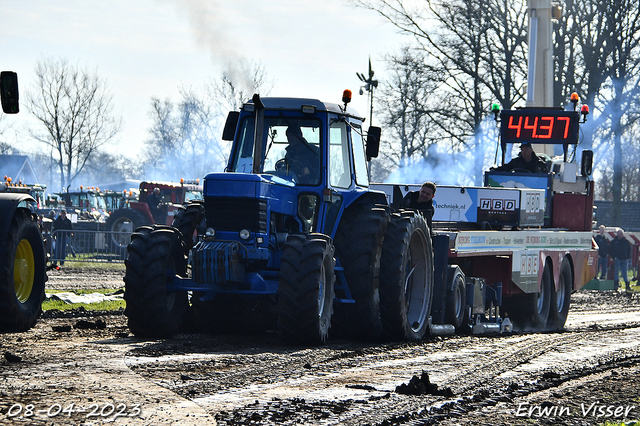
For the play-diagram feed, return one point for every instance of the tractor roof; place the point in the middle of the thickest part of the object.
(296, 104)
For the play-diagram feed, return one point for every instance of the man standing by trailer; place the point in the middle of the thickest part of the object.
(603, 252)
(61, 226)
(620, 250)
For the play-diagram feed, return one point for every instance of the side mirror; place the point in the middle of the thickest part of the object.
(9, 92)
(230, 126)
(586, 163)
(373, 142)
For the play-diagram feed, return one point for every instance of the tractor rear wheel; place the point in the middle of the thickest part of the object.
(358, 244)
(156, 255)
(120, 225)
(305, 293)
(406, 277)
(561, 298)
(22, 274)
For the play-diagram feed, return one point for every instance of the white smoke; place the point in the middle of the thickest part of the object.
(446, 167)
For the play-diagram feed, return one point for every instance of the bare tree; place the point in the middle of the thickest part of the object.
(5, 147)
(237, 85)
(477, 51)
(185, 136)
(75, 109)
(601, 44)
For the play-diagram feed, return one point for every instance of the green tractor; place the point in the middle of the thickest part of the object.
(22, 254)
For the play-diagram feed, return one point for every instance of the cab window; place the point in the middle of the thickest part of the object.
(359, 158)
(339, 165)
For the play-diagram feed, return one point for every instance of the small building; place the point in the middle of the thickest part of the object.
(18, 168)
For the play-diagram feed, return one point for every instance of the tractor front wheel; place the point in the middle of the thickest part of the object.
(155, 257)
(305, 293)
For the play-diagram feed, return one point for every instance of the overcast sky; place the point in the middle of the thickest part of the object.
(150, 48)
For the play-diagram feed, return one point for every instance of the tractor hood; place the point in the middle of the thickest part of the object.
(280, 193)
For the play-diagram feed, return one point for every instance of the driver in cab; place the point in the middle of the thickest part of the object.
(527, 160)
(302, 157)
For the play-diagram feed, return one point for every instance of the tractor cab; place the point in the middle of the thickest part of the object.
(309, 161)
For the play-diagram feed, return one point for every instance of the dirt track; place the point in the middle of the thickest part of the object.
(543, 378)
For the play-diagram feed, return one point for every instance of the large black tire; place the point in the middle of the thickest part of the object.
(561, 298)
(156, 255)
(120, 225)
(305, 293)
(406, 277)
(187, 220)
(454, 312)
(22, 274)
(358, 244)
(530, 311)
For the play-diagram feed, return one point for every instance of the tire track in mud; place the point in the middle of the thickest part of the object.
(354, 384)
(490, 386)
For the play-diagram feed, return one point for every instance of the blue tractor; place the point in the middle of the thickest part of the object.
(289, 235)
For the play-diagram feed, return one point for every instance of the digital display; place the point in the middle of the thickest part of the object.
(544, 126)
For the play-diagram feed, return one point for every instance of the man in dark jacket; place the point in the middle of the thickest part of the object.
(61, 226)
(620, 250)
(302, 157)
(153, 201)
(422, 200)
(603, 252)
(526, 160)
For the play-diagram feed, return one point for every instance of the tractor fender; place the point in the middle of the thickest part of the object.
(9, 203)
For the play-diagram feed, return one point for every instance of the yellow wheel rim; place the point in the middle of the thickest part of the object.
(23, 271)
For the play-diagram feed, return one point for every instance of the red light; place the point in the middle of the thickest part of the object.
(584, 110)
(346, 96)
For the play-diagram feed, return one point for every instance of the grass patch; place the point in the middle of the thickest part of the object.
(116, 266)
(108, 305)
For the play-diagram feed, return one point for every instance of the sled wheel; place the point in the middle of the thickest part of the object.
(531, 310)
(561, 298)
(456, 300)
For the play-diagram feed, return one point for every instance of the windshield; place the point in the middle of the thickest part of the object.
(291, 148)
(192, 195)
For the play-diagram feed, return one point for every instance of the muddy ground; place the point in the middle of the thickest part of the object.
(85, 368)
